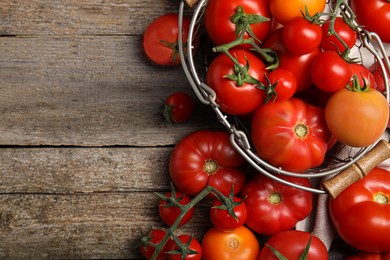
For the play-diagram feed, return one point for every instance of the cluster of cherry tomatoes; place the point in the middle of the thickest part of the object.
(286, 67)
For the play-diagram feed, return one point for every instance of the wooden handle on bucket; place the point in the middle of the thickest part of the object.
(335, 185)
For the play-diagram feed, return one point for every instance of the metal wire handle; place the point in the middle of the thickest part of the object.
(238, 138)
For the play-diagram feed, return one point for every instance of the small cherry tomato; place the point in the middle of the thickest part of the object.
(178, 107)
(330, 42)
(282, 85)
(155, 236)
(223, 220)
(193, 249)
(169, 213)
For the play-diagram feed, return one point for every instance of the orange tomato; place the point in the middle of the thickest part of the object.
(283, 11)
(239, 244)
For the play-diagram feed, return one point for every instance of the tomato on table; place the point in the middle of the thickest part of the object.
(193, 249)
(236, 91)
(361, 213)
(169, 213)
(283, 11)
(160, 39)
(273, 206)
(206, 157)
(239, 244)
(178, 107)
(155, 236)
(291, 244)
(221, 217)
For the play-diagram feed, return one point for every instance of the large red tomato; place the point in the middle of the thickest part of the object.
(239, 244)
(374, 15)
(222, 28)
(290, 134)
(236, 92)
(160, 39)
(274, 207)
(292, 244)
(361, 213)
(206, 158)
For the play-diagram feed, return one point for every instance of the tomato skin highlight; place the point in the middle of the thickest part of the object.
(274, 207)
(204, 158)
(164, 28)
(357, 119)
(361, 221)
(239, 244)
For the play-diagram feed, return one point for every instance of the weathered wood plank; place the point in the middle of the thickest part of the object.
(74, 17)
(88, 91)
(81, 226)
(83, 170)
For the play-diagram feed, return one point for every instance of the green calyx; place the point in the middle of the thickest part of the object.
(303, 256)
(241, 75)
(183, 250)
(355, 85)
(174, 46)
(229, 204)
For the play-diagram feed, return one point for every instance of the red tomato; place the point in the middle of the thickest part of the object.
(379, 76)
(170, 213)
(346, 33)
(301, 36)
(362, 73)
(178, 107)
(193, 245)
(220, 27)
(361, 213)
(236, 99)
(155, 236)
(283, 11)
(239, 244)
(369, 256)
(223, 220)
(290, 134)
(374, 15)
(274, 207)
(357, 118)
(282, 85)
(330, 72)
(291, 244)
(160, 39)
(206, 158)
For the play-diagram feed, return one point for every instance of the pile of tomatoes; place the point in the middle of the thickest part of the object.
(286, 67)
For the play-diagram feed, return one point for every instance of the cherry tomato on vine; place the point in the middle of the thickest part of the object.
(273, 206)
(220, 26)
(282, 85)
(169, 213)
(206, 158)
(292, 244)
(363, 74)
(374, 15)
(239, 244)
(160, 39)
(361, 213)
(290, 134)
(283, 11)
(236, 91)
(301, 36)
(330, 72)
(191, 244)
(357, 117)
(221, 218)
(155, 236)
(330, 42)
(178, 107)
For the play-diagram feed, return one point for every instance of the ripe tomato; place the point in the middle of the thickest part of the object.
(282, 85)
(221, 218)
(362, 73)
(155, 236)
(236, 99)
(290, 134)
(291, 244)
(160, 39)
(301, 36)
(357, 118)
(369, 256)
(169, 213)
(221, 28)
(283, 11)
(178, 107)
(274, 207)
(361, 213)
(374, 15)
(206, 158)
(346, 33)
(330, 72)
(239, 244)
(193, 244)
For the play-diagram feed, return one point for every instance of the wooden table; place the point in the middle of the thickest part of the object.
(83, 142)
